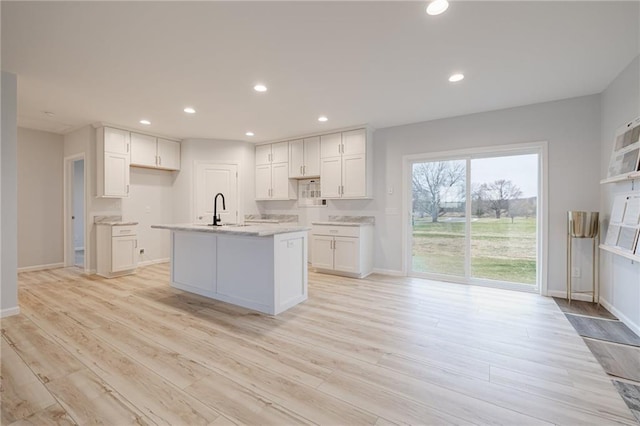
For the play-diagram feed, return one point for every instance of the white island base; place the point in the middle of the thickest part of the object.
(264, 273)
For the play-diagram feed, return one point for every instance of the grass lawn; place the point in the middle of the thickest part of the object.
(500, 250)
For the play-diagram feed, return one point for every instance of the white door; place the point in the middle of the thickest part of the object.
(143, 150)
(116, 175)
(210, 180)
(123, 253)
(331, 177)
(322, 247)
(296, 158)
(168, 154)
(330, 145)
(346, 254)
(354, 176)
(280, 181)
(263, 182)
(312, 157)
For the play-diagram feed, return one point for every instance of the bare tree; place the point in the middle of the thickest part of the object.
(478, 196)
(499, 195)
(432, 181)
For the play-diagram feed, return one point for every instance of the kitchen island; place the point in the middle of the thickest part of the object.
(260, 267)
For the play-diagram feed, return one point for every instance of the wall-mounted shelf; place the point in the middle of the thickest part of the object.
(620, 252)
(621, 178)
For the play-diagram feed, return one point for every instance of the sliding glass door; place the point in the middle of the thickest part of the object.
(474, 219)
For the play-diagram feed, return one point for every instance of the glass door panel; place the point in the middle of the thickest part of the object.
(439, 222)
(504, 199)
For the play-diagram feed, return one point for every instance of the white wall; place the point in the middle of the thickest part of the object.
(150, 202)
(620, 277)
(8, 197)
(220, 152)
(40, 195)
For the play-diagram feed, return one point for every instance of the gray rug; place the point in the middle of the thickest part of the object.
(631, 396)
(601, 329)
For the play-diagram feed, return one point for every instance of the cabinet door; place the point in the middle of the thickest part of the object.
(354, 142)
(346, 254)
(116, 140)
(330, 145)
(116, 175)
(296, 159)
(280, 181)
(280, 152)
(143, 150)
(354, 176)
(168, 154)
(312, 157)
(263, 154)
(263, 182)
(322, 247)
(330, 177)
(123, 253)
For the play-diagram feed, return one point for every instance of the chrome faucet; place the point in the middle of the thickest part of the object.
(216, 217)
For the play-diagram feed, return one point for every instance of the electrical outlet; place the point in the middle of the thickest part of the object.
(575, 272)
(141, 251)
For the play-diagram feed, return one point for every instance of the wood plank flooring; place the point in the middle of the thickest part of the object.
(382, 350)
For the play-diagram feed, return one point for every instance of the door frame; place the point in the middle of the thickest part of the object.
(540, 148)
(69, 253)
(194, 187)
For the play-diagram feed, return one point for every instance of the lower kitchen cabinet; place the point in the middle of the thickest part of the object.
(342, 249)
(117, 250)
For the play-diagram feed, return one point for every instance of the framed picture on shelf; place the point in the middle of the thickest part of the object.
(625, 157)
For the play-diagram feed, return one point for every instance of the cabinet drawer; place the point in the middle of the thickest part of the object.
(121, 231)
(340, 231)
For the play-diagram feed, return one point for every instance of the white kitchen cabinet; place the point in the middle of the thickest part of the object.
(343, 249)
(168, 154)
(304, 158)
(345, 165)
(272, 173)
(152, 152)
(112, 163)
(117, 250)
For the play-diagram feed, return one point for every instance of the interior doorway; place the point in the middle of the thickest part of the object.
(74, 224)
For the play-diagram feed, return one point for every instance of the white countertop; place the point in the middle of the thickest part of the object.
(257, 230)
(117, 223)
(343, 223)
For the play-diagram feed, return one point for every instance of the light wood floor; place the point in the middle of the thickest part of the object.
(378, 351)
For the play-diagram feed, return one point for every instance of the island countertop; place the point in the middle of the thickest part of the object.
(256, 230)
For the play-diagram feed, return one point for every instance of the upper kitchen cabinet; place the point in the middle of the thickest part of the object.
(157, 153)
(272, 173)
(346, 165)
(112, 162)
(304, 158)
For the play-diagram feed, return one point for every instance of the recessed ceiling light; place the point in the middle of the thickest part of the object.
(249, 133)
(456, 77)
(436, 7)
(322, 118)
(189, 110)
(145, 122)
(260, 88)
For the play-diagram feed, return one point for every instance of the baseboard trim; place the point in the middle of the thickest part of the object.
(41, 267)
(391, 272)
(153, 262)
(9, 312)
(563, 295)
(621, 316)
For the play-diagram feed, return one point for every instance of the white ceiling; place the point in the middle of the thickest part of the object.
(382, 63)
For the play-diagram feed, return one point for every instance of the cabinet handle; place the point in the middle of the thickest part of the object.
(127, 189)
(342, 190)
(127, 147)
(136, 243)
(301, 171)
(304, 170)
(339, 152)
(159, 161)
